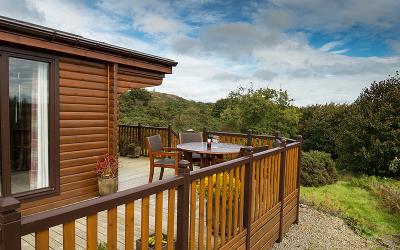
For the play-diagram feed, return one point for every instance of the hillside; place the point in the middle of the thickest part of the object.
(160, 109)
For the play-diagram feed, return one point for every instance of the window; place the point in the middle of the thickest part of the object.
(29, 165)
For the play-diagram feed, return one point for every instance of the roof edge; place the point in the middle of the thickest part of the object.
(79, 41)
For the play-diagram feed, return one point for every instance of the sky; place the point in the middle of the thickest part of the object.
(320, 51)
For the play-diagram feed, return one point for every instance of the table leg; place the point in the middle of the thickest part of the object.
(190, 160)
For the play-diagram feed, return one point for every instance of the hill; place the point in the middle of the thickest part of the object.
(160, 109)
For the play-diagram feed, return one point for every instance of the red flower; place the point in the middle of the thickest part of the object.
(107, 167)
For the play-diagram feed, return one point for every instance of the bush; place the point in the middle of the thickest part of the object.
(317, 169)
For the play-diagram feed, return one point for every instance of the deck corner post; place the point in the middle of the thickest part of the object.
(247, 198)
(10, 223)
(249, 138)
(182, 234)
(300, 140)
(282, 188)
(277, 139)
(169, 135)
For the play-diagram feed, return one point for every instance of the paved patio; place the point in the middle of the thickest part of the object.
(133, 172)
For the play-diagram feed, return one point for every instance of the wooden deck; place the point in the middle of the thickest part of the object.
(132, 173)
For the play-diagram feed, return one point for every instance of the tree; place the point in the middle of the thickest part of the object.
(319, 126)
(369, 137)
(262, 110)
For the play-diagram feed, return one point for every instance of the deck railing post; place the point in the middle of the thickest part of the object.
(277, 139)
(169, 135)
(300, 140)
(205, 134)
(182, 234)
(249, 138)
(139, 137)
(10, 223)
(248, 194)
(282, 187)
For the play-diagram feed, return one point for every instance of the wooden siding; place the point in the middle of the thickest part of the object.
(88, 124)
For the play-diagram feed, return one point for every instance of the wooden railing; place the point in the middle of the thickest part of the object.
(245, 203)
(170, 138)
(138, 133)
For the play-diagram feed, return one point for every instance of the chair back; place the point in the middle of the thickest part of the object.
(255, 150)
(154, 143)
(186, 137)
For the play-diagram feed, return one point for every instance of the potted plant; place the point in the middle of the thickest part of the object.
(107, 171)
(124, 142)
(152, 242)
(134, 150)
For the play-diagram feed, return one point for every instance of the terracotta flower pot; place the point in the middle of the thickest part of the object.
(107, 185)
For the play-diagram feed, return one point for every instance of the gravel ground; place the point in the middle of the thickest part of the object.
(317, 230)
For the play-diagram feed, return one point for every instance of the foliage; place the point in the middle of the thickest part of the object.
(369, 135)
(102, 246)
(158, 109)
(152, 240)
(107, 167)
(394, 166)
(319, 127)
(124, 140)
(388, 190)
(317, 169)
(360, 207)
(221, 183)
(262, 110)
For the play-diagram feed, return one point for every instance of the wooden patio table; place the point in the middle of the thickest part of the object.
(215, 150)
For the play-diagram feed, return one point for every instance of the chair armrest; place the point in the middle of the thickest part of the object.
(167, 154)
(170, 149)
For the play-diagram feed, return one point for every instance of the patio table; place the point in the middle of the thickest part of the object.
(215, 150)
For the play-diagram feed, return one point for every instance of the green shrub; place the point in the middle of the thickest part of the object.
(394, 166)
(317, 169)
(101, 246)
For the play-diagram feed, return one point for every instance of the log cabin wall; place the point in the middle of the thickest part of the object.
(89, 91)
(92, 76)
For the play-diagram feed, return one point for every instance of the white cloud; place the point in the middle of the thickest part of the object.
(331, 45)
(226, 54)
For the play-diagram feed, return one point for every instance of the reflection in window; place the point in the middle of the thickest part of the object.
(29, 123)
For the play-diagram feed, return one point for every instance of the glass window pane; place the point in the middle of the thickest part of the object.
(28, 107)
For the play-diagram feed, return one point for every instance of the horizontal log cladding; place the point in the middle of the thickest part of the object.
(87, 116)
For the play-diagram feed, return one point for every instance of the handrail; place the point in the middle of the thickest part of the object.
(44, 220)
(262, 189)
(221, 167)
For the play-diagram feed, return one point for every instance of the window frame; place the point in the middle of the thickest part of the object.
(54, 127)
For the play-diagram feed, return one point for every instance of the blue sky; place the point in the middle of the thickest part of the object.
(320, 51)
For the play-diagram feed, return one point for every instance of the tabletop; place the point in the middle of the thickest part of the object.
(216, 148)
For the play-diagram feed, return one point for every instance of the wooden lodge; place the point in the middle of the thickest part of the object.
(85, 79)
(59, 112)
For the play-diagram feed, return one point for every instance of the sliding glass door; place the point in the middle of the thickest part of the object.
(29, 124)
(28, 116)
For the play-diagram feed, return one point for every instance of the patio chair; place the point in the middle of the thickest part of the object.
(186, 137)
(162, 157)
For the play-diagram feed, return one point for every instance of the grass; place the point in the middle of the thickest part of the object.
(361, 208)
